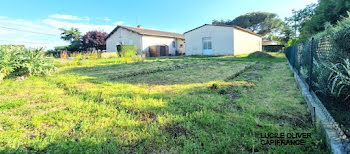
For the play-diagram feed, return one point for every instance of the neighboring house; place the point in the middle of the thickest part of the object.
(269, 42)
(144, 38)
(221, 40)
(272, 45)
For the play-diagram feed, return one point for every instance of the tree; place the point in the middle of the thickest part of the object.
(72, 35)
(95, 39)
(316, 17)
(300, 17)
(259, 22)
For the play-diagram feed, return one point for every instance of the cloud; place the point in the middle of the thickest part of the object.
(81, 26)
(3, 17)
(46, 31)
(119, 23)
(68, 17)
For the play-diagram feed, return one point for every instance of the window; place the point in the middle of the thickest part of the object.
(174, 44)
(207, 43)
(121, 33)
(181, 45)
(131, 42)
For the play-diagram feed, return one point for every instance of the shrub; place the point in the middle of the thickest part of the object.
(215, 86)
(127, 51)
(19, 61)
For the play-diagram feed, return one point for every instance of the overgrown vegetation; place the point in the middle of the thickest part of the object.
(19, 61)
(331, 67)
(163, 105)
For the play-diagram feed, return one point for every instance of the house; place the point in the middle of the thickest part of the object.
(211, 39)
(144, 38)
(269, 42)
(272, 45)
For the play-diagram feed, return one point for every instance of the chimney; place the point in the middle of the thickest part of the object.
(139, 26)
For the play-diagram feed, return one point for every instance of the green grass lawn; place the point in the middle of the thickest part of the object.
(161, 105)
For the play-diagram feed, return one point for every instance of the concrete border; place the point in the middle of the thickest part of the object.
(325, 124)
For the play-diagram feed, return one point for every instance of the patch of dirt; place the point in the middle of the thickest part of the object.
(296, 121)
(161, 69)
(148, 116)
(176, 130)
(231, 91)
(259, 54)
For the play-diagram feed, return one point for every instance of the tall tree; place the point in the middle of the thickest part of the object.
(326, 12)
(259, 22)
(300, 17)
(72, 35)
(95, 39)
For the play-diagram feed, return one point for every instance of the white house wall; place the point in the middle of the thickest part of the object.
(245, 43)
(155, 40)
(126, 38)
(221, 38)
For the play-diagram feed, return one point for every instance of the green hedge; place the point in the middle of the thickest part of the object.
(126, 50)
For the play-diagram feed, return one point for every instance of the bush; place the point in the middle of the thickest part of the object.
(126, 51)
(19, 61)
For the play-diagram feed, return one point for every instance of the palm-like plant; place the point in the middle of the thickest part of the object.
(339, 79)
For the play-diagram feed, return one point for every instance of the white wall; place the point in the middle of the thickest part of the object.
(155, 40)
(115, 38)
(245, 43)
(221, 37)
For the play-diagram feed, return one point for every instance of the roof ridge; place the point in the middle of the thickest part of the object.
(147, 31)
(223, 25)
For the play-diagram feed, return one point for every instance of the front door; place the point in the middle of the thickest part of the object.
(162, 50)
(207, 47)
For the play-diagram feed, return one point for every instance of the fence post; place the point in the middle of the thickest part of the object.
(311, 62)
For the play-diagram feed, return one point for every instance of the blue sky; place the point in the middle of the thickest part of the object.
(44, 17)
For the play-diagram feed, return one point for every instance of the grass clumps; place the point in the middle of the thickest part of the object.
(259, 54)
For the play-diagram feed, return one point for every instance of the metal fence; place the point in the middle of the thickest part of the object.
(309, 60)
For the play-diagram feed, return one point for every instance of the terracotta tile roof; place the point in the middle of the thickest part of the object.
(149, 32)
(233, 26)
